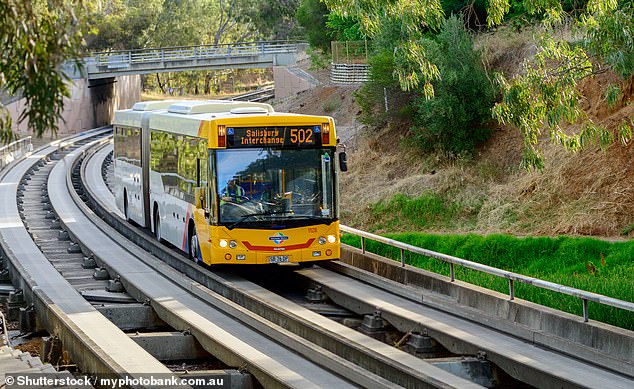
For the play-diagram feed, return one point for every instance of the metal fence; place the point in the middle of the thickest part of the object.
(349, 74)
(349, 52)
(512, 277)
(15, 150)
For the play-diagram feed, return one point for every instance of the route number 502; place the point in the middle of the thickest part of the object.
(301, 135)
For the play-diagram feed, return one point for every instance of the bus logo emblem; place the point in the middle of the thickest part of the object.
(278, 238)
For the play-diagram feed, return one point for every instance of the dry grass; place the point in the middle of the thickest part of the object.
(590, 193)
(506, 48)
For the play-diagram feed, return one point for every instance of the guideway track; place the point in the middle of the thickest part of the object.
(374, 356)
(526, 362)
(170, 294)
(529, 363)
(96, 344)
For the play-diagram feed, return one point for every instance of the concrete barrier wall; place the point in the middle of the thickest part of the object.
(290, 81)
(596, 342)
(91, 104)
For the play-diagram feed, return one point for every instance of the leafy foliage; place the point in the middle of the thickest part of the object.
(271, 19)
(412, 19)
(378, 98)
(454, 119)
(312, 16)
(544, 96)
(37, 38)
(344, 28)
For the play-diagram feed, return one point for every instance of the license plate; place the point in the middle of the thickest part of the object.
(278, 258)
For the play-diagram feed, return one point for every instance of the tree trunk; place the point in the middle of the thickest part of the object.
(161, 85)
(208, 83)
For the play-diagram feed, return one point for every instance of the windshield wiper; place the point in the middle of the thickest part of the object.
(249, 215)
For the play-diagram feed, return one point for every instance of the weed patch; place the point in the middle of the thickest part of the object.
(429, 211)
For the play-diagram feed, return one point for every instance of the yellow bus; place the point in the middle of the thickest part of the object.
(230, 182)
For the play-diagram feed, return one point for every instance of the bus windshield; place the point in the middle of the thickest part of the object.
(266, 187)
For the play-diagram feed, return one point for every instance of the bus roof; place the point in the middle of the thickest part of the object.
(187, 116)
(189, 107)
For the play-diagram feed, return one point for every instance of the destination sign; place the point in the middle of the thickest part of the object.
(287, 136)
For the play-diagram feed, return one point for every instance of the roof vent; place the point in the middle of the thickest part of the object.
(241, 110)
(190, 107)
(153, 105)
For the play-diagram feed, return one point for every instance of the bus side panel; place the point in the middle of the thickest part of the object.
(173, 178)
(127, 172)
(118, 174)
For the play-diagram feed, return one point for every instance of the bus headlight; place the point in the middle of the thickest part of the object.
(223, 243)
(331, 239)
(233, 244)
(322, 240)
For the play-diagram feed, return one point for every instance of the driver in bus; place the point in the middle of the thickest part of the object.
(233, 192)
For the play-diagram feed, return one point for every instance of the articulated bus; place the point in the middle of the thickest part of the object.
(230, 182)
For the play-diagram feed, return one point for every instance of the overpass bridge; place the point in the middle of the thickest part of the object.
(202, 57)
(107, 81)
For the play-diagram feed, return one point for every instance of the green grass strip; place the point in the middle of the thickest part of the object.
(592, 265)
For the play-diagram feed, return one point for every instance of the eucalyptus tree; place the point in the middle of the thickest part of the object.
(544, 96)
(37, 37)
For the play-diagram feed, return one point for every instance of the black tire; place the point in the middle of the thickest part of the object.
(157, 225)
(125, 205)
(193, 245)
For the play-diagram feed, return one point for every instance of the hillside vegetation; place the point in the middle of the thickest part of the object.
(483, 206)
(394, 186)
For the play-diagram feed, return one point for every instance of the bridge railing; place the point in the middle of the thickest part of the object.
(512, 277)
(14, 150)
(121, 59)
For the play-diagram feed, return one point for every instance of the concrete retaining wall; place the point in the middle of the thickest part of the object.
(91, 104)
(290, 81)
(596, 342)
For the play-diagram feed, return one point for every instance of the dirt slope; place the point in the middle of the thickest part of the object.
(590, 193)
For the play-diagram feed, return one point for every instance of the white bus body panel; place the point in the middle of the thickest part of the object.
(128, 183)
(174, 213)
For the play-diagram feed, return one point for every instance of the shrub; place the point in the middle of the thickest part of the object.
(455, 119)
(382, 86)
(331, 105)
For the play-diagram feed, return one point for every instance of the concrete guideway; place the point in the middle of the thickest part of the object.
(536, 324)
(374, 356)
(223, 336)
(90, 338)
(542, 368)
(390, 362)
(526, 362)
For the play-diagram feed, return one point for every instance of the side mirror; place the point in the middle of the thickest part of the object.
(343, 161)
(199, 195)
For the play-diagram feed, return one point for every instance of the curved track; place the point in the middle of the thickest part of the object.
(93, 341)
(529, 363)
(240, 322)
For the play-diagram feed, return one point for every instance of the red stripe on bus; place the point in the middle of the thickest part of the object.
(279, 248)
